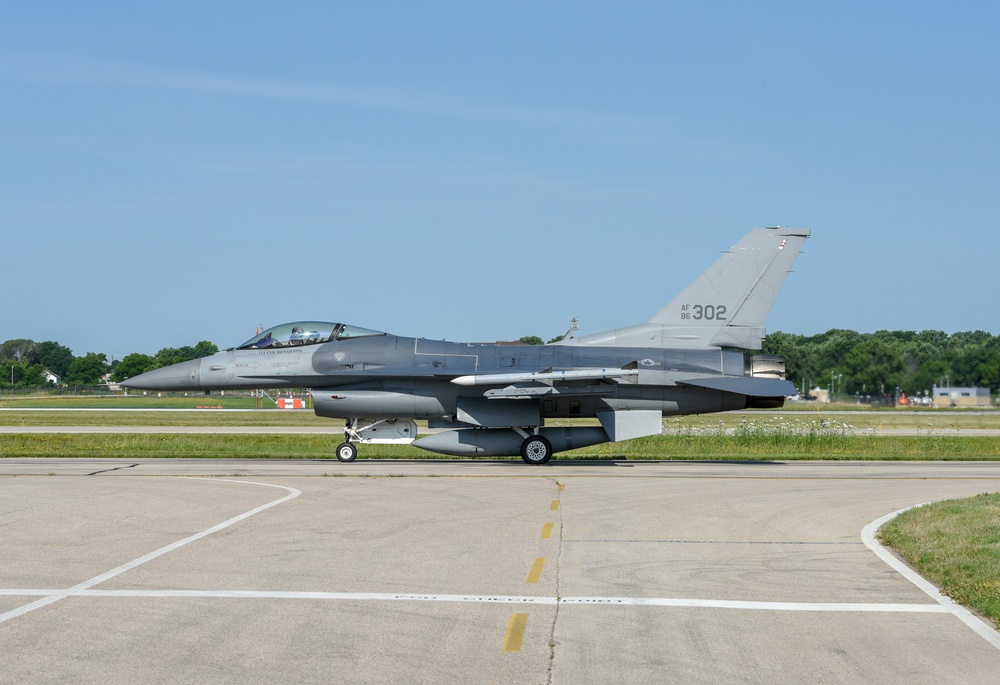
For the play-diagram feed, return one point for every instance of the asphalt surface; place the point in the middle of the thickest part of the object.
(231, 571)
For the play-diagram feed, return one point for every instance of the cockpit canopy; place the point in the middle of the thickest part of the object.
(305, 333)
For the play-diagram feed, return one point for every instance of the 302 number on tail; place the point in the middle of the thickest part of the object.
(703, 312)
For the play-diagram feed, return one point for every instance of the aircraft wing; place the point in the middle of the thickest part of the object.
(745, 385)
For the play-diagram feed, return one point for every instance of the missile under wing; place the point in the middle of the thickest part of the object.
(494, 400)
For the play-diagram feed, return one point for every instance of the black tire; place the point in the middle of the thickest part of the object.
(536, 450)
(346, 452)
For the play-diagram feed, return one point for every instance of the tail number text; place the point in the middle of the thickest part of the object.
(703, 312)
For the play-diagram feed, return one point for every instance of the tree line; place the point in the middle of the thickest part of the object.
(888, 362)
(844, 361)
(25, 363)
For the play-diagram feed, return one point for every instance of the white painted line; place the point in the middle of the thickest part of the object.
(756, 606)
(868, 536)
(342, 596)
(498, 599)
(96, 580)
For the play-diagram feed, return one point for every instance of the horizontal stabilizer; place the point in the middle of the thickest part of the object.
(744, 385)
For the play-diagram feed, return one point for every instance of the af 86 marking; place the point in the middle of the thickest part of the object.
(704, 312)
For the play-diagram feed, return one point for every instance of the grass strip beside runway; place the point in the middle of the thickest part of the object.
(956, 545)
(827, 420)
(681, 447)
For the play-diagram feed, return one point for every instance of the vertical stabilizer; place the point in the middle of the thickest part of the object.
(739, 289)
(726, 306)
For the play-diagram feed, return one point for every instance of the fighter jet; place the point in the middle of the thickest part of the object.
(694, 356)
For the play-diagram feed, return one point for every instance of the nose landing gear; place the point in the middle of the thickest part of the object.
(346, 452)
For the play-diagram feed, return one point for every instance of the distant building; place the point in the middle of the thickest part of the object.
(112, 386)
(51, 377)
(961, 397)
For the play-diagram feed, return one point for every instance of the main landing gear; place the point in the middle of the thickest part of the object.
(536, 450)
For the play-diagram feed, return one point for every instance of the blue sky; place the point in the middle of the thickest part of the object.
(483, 171)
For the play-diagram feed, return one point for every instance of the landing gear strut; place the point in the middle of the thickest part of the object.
(374, 431)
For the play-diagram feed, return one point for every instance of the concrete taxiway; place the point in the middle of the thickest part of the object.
(482, 572)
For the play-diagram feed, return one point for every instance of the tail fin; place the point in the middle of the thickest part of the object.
(726, 306)
(735, 295)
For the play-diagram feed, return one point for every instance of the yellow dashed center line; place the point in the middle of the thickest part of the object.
(515, 633)
(519, 622)
(536, 570)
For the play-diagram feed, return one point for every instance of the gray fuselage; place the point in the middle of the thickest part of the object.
(387, 376)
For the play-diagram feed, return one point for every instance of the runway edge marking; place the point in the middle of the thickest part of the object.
(135, 563)
(868, 536)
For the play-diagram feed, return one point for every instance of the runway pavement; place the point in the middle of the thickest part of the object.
(231, 571)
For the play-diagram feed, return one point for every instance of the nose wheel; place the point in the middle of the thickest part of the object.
(346, 452)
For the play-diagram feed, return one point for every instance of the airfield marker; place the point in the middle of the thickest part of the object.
(515, 633)
(536, 570)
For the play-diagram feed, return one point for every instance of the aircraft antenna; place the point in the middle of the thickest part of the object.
(574, 326)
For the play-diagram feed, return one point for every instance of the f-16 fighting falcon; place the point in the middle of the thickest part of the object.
(692, 357)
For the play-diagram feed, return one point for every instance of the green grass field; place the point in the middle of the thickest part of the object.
(817, 433)
(679, 447)
(956, 545)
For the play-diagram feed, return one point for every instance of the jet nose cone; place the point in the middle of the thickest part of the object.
(183, 376)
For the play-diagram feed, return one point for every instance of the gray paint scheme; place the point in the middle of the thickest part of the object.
(499, 396)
